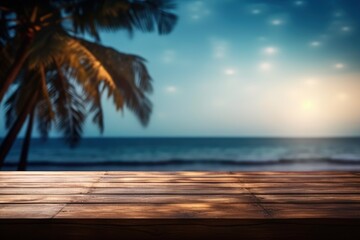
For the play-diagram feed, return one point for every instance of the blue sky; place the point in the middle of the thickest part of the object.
(248, 68)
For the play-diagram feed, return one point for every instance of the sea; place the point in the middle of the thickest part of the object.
(200, 154)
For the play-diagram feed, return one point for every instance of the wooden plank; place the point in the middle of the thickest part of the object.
(46, 198)
(300, 180)
(99, 198)
(349, 210)
(52, 173)
(165, 211)
(182, 190)
(8, 211)
(101, 184)
(178, 188)
(167, 199)
(48, 179)
(114, 184)
(216, 180)
(168, 173)
(45, 184)
(121, 199)
(203, 185)
(42, 191)
(309, 198)
(301, 185)
(305, 190)
(167, 186)
(168, 180)
(295, 174)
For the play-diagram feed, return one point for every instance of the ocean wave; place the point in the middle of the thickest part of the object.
(181, 162)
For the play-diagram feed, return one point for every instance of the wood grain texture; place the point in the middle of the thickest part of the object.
(152, 205)
(168, 211)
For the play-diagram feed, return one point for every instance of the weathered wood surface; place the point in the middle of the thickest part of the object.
(179, 205)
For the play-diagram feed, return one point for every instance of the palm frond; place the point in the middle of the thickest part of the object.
(151, 14)
(44, 107)
(20, 96)
(131, 77)
(10, 109)
(83, 65)
(72, 124)
(145, 15)
(70, 108)
(96, 109)
(48, 42)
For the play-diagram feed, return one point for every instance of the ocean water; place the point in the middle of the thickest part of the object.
(210, 154)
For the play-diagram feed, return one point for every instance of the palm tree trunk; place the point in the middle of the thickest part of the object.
(26, 144)
(15, 129)
(15, 67)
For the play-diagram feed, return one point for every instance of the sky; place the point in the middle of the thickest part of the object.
(288, 68)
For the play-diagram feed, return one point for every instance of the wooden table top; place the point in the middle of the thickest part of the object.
(179, 195)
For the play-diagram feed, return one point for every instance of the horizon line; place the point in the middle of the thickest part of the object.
(199, 136)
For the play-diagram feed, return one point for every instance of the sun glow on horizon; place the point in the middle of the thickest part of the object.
(308, 105)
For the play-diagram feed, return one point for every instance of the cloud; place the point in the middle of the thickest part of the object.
(341, 27)
(265, 66)
(168, 56)
(339, 66)
(277, 22)
(197, 10)
(270, 50)
(219, 48)
(339, 13)
(299, 3)
(230, 71)
(315, 44)
(346, 29)
(171, 89)
(257, 9)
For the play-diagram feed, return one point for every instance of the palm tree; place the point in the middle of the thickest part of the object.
(82, 16)
(58, 60)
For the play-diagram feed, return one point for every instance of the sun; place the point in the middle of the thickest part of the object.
(308, 105)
